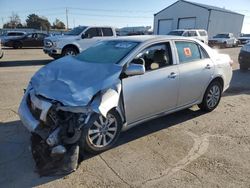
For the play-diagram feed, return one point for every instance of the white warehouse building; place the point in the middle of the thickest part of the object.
(189, 15)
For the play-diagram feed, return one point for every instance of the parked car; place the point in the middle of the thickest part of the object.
(27, 40)
(244, 57)
(199, 34)
(224, 40)
(1, 51)
(87, 100)
(76, 40)
(244, 39)
(11, 34)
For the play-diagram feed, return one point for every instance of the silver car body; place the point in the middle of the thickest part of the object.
(137, 98)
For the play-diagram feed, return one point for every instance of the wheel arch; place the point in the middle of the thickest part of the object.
(71, 46)
(218, 79)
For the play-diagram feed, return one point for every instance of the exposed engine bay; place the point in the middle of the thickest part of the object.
(57, 131)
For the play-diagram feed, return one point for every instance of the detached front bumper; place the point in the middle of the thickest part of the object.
(52, 155)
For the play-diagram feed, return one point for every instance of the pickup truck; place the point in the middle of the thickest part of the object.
(76, 40)
(223, 40)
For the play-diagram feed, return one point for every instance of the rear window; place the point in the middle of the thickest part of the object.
(188, 51)
(203, 33)
(107, 32)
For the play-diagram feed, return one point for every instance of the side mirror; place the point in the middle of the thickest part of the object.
(86, 36)
(135, 69)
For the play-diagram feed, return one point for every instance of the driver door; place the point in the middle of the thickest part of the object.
(154, 92)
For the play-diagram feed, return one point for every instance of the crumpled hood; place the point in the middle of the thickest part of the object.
(73, 82)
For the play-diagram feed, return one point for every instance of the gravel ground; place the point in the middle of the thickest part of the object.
(184, 149)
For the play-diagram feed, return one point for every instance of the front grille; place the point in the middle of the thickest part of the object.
(36, 112)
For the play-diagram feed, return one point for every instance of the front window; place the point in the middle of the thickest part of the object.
(155, 57)
(111, 52)
(176, 33)
(76, 31)
(221, 36)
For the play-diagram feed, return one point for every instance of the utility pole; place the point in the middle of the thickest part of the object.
(67, 19)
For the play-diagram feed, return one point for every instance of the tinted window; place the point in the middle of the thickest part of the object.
(176, 33)
(107, 32)
(246, 35)
(15, 34)
(188, 51)
(221, 36)
(107, 52)
(40, 35)
(75, 31)
(155, 57)
(192, 34)
(93, 32)
(203, 33)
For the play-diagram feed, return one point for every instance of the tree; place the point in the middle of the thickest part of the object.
(14, 22)
(58, 24)
(36, 22)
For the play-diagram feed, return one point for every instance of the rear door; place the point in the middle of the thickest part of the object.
(195, 69)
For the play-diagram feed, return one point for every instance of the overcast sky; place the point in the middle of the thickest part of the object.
(109, 12)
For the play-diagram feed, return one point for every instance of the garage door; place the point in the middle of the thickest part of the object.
(187, 23)
(165, 26)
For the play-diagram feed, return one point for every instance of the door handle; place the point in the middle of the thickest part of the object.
(208, 66)
(172, 75)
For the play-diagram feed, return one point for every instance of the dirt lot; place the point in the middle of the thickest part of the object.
(185, 149)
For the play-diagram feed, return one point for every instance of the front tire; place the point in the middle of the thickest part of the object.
(211, 97)
(102, 134)
(70, 51)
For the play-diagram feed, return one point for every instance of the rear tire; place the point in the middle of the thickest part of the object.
(212, 97)
(102, 134)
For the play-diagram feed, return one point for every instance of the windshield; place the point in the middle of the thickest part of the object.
(76, 31)
(107, 52)
(221, 36)
(176, 33)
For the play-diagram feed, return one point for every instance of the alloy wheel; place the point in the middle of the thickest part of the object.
(213, 96)
(103, 131)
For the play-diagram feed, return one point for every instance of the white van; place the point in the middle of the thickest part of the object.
(199, 34)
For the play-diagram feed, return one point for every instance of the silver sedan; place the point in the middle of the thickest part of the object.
(118, 83)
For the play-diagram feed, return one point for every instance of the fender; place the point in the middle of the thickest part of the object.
(107, 100)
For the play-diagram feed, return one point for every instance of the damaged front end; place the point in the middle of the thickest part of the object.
(57, 130)
(61, 100)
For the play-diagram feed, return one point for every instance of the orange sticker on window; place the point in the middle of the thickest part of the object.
(187, 52)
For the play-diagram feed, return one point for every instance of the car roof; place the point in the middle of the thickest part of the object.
(147, 38)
